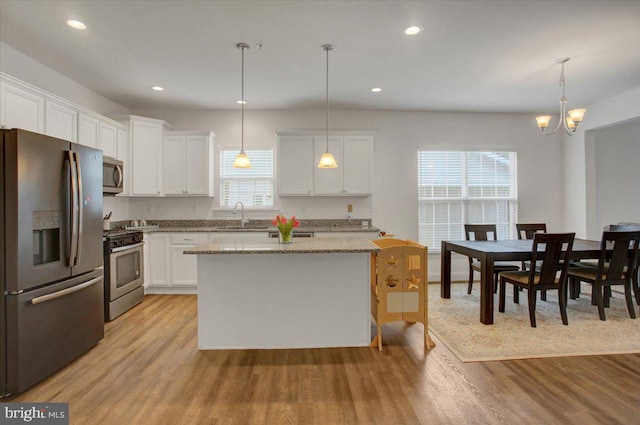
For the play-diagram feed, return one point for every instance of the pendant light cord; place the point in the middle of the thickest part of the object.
(242, 106)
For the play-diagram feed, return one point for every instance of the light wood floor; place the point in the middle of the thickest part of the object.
(147, 370)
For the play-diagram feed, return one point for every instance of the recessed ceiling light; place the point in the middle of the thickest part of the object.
(412, 30)
(241, 102)
(157, 88)
(376, 89)
(76, 24)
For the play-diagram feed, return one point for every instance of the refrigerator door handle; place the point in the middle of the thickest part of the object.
(80, 207)
(67, 291)
(74, 209)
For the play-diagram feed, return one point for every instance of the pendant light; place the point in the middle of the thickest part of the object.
(327, 160)
(242, 160)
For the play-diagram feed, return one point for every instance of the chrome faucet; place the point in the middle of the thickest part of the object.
(235, 211)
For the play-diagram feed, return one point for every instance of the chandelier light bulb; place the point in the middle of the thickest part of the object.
(543, 121)
(576, 115)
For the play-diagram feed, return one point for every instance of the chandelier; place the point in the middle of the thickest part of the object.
(570, 122)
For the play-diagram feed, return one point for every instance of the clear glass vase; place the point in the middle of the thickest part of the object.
(285, 236)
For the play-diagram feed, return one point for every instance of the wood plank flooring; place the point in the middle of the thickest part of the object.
(147, 370)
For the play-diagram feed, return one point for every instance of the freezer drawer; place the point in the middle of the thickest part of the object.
(49, 327)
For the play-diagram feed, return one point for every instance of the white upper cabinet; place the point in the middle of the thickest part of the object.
(295, 165)
(21, 108)
(298, 156)
(188, 163)
(357, 172)
(88, 131)
(145, 154)
(174, 150)
(108, 139)
(61, 121)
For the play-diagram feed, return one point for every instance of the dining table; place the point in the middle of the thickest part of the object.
(487, 253)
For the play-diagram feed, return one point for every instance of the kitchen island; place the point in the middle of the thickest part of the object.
(259, 293)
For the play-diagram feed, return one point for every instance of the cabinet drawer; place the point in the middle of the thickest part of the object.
(189, 238)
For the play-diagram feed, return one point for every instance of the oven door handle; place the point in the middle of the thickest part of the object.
(125, 248)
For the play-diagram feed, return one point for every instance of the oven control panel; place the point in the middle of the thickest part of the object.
(124, 239)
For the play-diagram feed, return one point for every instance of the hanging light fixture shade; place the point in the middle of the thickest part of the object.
(327, 160)
(574, 116)
(242, 160)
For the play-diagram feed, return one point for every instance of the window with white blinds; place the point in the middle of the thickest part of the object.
(252, 186)
(458, 188)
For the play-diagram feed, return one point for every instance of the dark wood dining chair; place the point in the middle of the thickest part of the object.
(527, 230)
(553, 250)
(484, 232)
(616, 266)
(635, 277)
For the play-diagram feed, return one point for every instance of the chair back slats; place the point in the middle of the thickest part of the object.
(480, 232)
(527, 230)
(554, 249)
(623, 256)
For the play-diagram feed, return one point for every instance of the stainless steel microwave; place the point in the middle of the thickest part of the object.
(112, 177)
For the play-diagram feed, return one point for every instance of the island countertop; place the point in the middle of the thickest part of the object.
(272, 246)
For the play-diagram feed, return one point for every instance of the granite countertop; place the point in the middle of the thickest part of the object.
(223, 226)
(272, 246)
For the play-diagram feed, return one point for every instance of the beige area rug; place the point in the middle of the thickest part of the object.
(456, 322)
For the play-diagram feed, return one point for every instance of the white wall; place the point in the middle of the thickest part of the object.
(24, 68)
(578, 166)
(398, 136)
(617, 174)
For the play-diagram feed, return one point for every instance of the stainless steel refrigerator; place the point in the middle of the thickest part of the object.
(50, 256)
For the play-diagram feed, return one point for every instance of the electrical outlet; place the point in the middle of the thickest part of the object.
(349, 208)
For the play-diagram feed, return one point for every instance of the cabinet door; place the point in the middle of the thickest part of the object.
(88, 131)
(357, 170)
(21, 108)
(158, 270)
(197, 165)
(328, 181)
(108, 140)
(174, 172)
(184, 268)
(146, 161)
(60, 121)
(295, 165)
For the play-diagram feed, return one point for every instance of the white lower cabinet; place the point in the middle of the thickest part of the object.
(158, 271)
(170, 271)
(184, 268)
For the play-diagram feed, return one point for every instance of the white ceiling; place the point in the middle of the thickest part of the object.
(493, 56)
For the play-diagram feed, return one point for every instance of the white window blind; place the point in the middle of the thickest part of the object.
(458, 188)
(252, 186)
